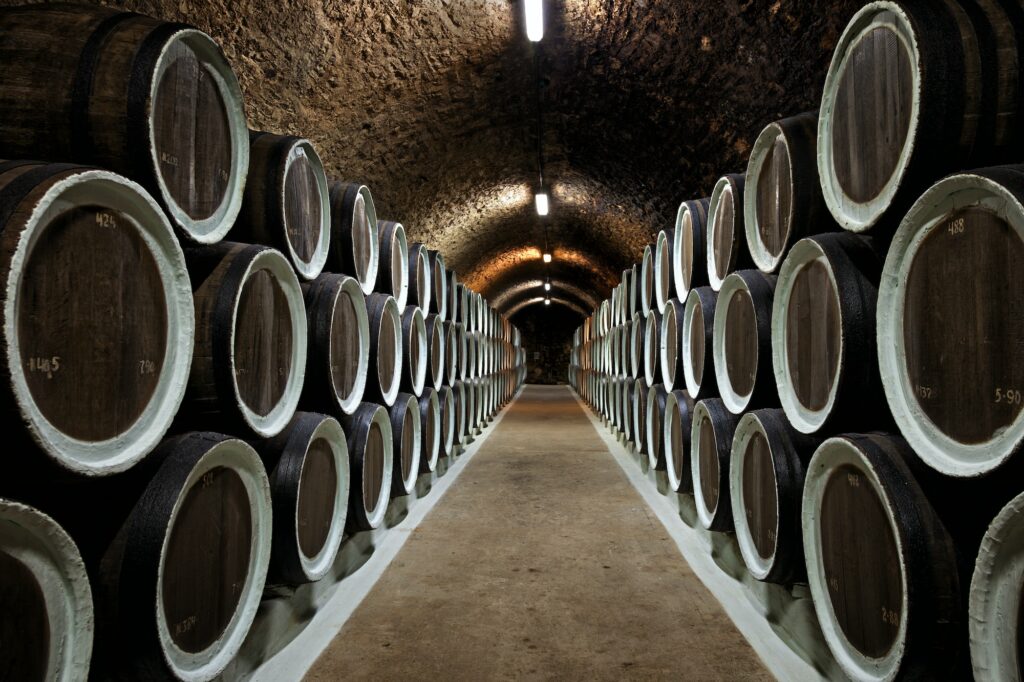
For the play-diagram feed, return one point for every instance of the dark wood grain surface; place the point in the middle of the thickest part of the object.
(317, 489)
(813, 334)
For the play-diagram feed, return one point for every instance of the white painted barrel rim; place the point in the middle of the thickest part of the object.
(763, 259)
(996, 596)
(935, 448)
(652, 409)
(350, 287)
(704, 515)
(667, 377)
(412, 407)
(639, 429)
(851, 215)
(671, 422)
(748, 426)
(95, 187)
(427, 289)
(437, 374)
(383, 422)
(647, 265)
(35, 540)
(442, 305)
(804, 253)
(402, 295)
(272, 423)
(734, 402)
(366, 273)
(692, 385)
(832, 454)
(419, 332)
(215, 227)
(435, 445)
(316, 567)
(309, 270)
(722, 187)
(661, 264)
(677, 250)
(636, 345)
(392, 314)
(651, 357)
(241, 459)
(449, 409)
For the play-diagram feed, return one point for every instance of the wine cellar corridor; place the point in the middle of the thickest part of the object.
(511, 339)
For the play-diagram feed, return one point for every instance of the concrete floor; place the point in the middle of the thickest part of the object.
(542, 562)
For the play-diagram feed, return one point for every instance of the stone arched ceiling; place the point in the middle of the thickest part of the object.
(432, 104)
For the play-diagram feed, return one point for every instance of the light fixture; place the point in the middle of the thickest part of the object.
(534, 20)
(547, 286)
(547, 301)
(542, 203)
(547, 257)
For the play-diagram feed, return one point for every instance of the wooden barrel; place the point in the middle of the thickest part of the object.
(98, 315)
(726, 248)
(309, 488)
(469, 371)
(151, 100)
(742, 341)
(996, 597)
(823, 335)
(181, 584)
(697, 335)
(472, 404)
(437, 350)
(646, 288)
(354, 236)
(637, 329)
(653, 424)
(628, 386)
(386, 361)
(640, 390)
(784, 203)
(415, 351)
(45, 598)
(370, 452)
(446, 400)
(393, 268)
(454, 297)
(249, 362)
(881, 566)
(451, 352)
(766, 481)
(689, 248)
(430, 430)
(421, 284)
(339, 345)
(711, 436)
(439, 275)
(462, 346)
(949, 324)
(671, 344)
(663, 250)
(652, 346)
(285, 203)
(676, 425)
(916, 90)
(461, 413)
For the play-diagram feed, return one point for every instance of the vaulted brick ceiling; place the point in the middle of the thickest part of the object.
(432, 104)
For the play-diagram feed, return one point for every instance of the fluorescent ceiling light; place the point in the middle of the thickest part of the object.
(534, 20)
(542, 203)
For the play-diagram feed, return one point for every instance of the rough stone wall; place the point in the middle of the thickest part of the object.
(432, 103)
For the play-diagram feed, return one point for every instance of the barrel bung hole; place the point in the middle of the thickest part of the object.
(317, 489)
(303, 206)
(861, 562)
(206, 561)
(92, 323)
(813, 334)
(263, 342)
(192, 134)
(25, 626)
(760, 498)
(963, 325)
(872, 112)
(741, 342)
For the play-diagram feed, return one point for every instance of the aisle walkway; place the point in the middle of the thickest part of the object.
(541, 563)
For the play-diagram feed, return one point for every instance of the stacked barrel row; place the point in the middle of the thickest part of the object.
(218, 363)
(826, 353)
